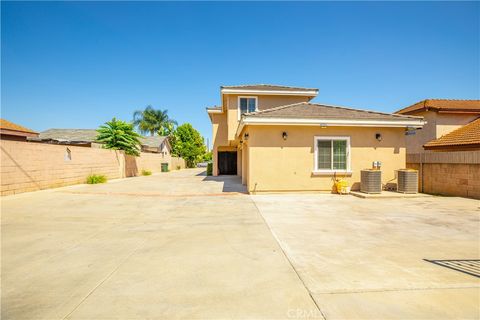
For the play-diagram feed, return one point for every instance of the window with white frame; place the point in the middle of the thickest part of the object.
(332, 154)
(247, 104)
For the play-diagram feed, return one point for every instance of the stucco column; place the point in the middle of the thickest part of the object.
(215, 161)
(244, 164)
(239, 161)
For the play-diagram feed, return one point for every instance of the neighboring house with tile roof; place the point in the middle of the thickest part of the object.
(466, 138)
(442, 116)
(13, 131)
(277, 140)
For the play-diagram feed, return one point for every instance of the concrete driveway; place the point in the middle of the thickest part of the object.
(183, 245)
(364, 258)
(173, 245)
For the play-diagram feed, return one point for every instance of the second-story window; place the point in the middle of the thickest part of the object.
(247, 104)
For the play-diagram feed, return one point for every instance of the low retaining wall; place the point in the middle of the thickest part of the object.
(448, 173)
(27, 166)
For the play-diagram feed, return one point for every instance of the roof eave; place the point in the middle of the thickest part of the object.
(211, 112)
(421, 108)
(18, 133)
(404, 123)
(214, 110)
(452, 146)
(307, 93)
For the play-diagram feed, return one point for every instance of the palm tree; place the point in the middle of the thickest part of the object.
(119, 135)
(152, 121)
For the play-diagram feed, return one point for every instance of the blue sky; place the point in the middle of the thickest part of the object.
(78, 64)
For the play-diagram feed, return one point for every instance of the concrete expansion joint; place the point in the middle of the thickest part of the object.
(290, 262)
(399, 289)
(108, 276)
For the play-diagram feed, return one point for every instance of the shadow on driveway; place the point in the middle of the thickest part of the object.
(230, 183)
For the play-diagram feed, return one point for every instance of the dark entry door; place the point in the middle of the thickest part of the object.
(227, 162)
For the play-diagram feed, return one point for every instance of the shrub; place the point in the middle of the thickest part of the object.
(146, 172)
(96, 178)
(209, 169)
(179, 167)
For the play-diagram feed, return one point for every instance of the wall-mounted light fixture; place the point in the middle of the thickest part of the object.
(245, 135)
(378, 136)
(323, 125)
(284, 135)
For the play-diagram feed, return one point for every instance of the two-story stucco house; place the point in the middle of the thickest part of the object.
(442, 116)
(277, 140)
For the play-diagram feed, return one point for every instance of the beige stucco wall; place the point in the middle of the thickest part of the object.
(244, 147)
(264, 102)
(279, 165)
(177, 163)
(219, 134)
(414, 143)
(27, 166)
(447, 122)
(219, 129)
(239, 162)
(224, 126)
(438, 124)
(152, 162)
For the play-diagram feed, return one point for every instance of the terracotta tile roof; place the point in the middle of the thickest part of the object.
(306, 110)
(7, 125)
(466, 136)
(268, 87)
(443, 105)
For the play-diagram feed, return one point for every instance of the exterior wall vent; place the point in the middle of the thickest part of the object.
(407, 181)
(371, 181)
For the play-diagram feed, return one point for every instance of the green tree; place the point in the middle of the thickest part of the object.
(152, 121)
(188, 144)
(207, 156)
(119, 135)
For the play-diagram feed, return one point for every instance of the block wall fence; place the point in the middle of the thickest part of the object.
(28, 166)
(448, 173)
